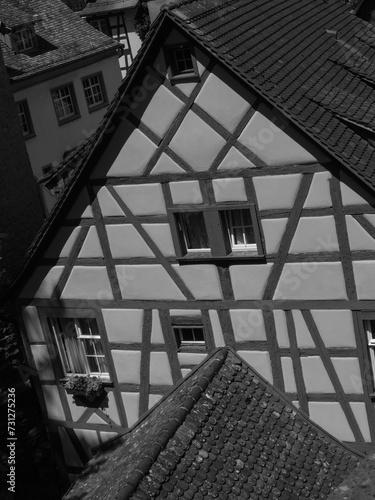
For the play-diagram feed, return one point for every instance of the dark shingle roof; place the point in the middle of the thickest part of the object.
(311, 59)
(223, 432)
(108, 6)
(62, 37)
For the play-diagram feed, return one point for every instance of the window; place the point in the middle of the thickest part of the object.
(93, 87)
(240, 229)
(101, 24)
(181, 62)
(189, 335)
(65, 103)
(23, 39)
(216, 232)
(25, 119)
(370, 331)
(79, 346)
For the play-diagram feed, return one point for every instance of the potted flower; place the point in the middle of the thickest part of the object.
(84, 385)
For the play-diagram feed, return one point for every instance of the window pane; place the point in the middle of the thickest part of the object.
(183, 60)
(239, 227)
(79, 344)
(193, 229)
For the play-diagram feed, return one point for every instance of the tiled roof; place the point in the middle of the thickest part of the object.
(311, 59)
(108, 5)
(224, 433)
(62, 37)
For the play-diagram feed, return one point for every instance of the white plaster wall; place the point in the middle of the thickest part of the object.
(189, 135)
(147, 282)
(202, 280)
(277, 191)
(127, 365)
(359, 238)
(364, 275)
(224, 99)
(88, 282)
(304, 339)
(248, 325)
(88, 438)
(53, 402)
(360, 414)
(186, 192)
(160, 369)
(229, 189)
(288, 373)
(331, 417)
(161, 235)
(216, 329)
(311, 280)
(281, 328)
(42, 362)
(315, 234)
(249, 281)
(273, 230)
(123, 325)
(315, 376)
(131, 405)
(32, 324)
(319, 193)
(235, 160)
(349, 374)
(91, 246)
(335, 327)
(51, 139)
(143, 199)
(350, 197)
(272, 140)
(125, 241)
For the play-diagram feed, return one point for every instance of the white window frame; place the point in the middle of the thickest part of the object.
(370, 332)
(100, 23)
(230, 227)
(23, 39)
(220, 232)
(25, 118)
(90, 85)
(66, 343)
(58, 98)
(178, 332)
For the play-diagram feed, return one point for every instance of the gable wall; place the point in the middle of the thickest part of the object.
(296, 315)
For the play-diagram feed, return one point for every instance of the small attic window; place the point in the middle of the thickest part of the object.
(181, 61)
(23, 39)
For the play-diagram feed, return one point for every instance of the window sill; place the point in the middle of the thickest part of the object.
(68, 120)
(185, 78)
(29, 136)
(107, 382)
(92, 109)
(236, 256)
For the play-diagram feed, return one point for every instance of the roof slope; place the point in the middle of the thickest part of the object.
(222, 430)
(62, 36)
(311, 59)
(108, 6)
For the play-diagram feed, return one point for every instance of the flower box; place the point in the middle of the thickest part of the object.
(85, 386)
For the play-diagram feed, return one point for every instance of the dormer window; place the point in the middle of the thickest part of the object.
(182, 65)
(23, 39)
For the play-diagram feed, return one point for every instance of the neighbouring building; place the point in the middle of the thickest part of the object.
(63, 75)
(116, 19)
(227, 199)
(20, 205)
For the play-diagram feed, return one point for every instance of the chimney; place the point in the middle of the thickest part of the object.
(21, 212)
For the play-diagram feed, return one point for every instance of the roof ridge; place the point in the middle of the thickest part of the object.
(142, 469)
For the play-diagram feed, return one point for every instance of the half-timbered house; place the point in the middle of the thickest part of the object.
(227, 199)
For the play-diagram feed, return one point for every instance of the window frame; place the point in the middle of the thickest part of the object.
(98, 20)
(103, 90)
(369, 355)
(174, 75)
(27, 115)
(220, 248)
(50, 313)
(15, 41)
(184, 322)
(76, 114)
